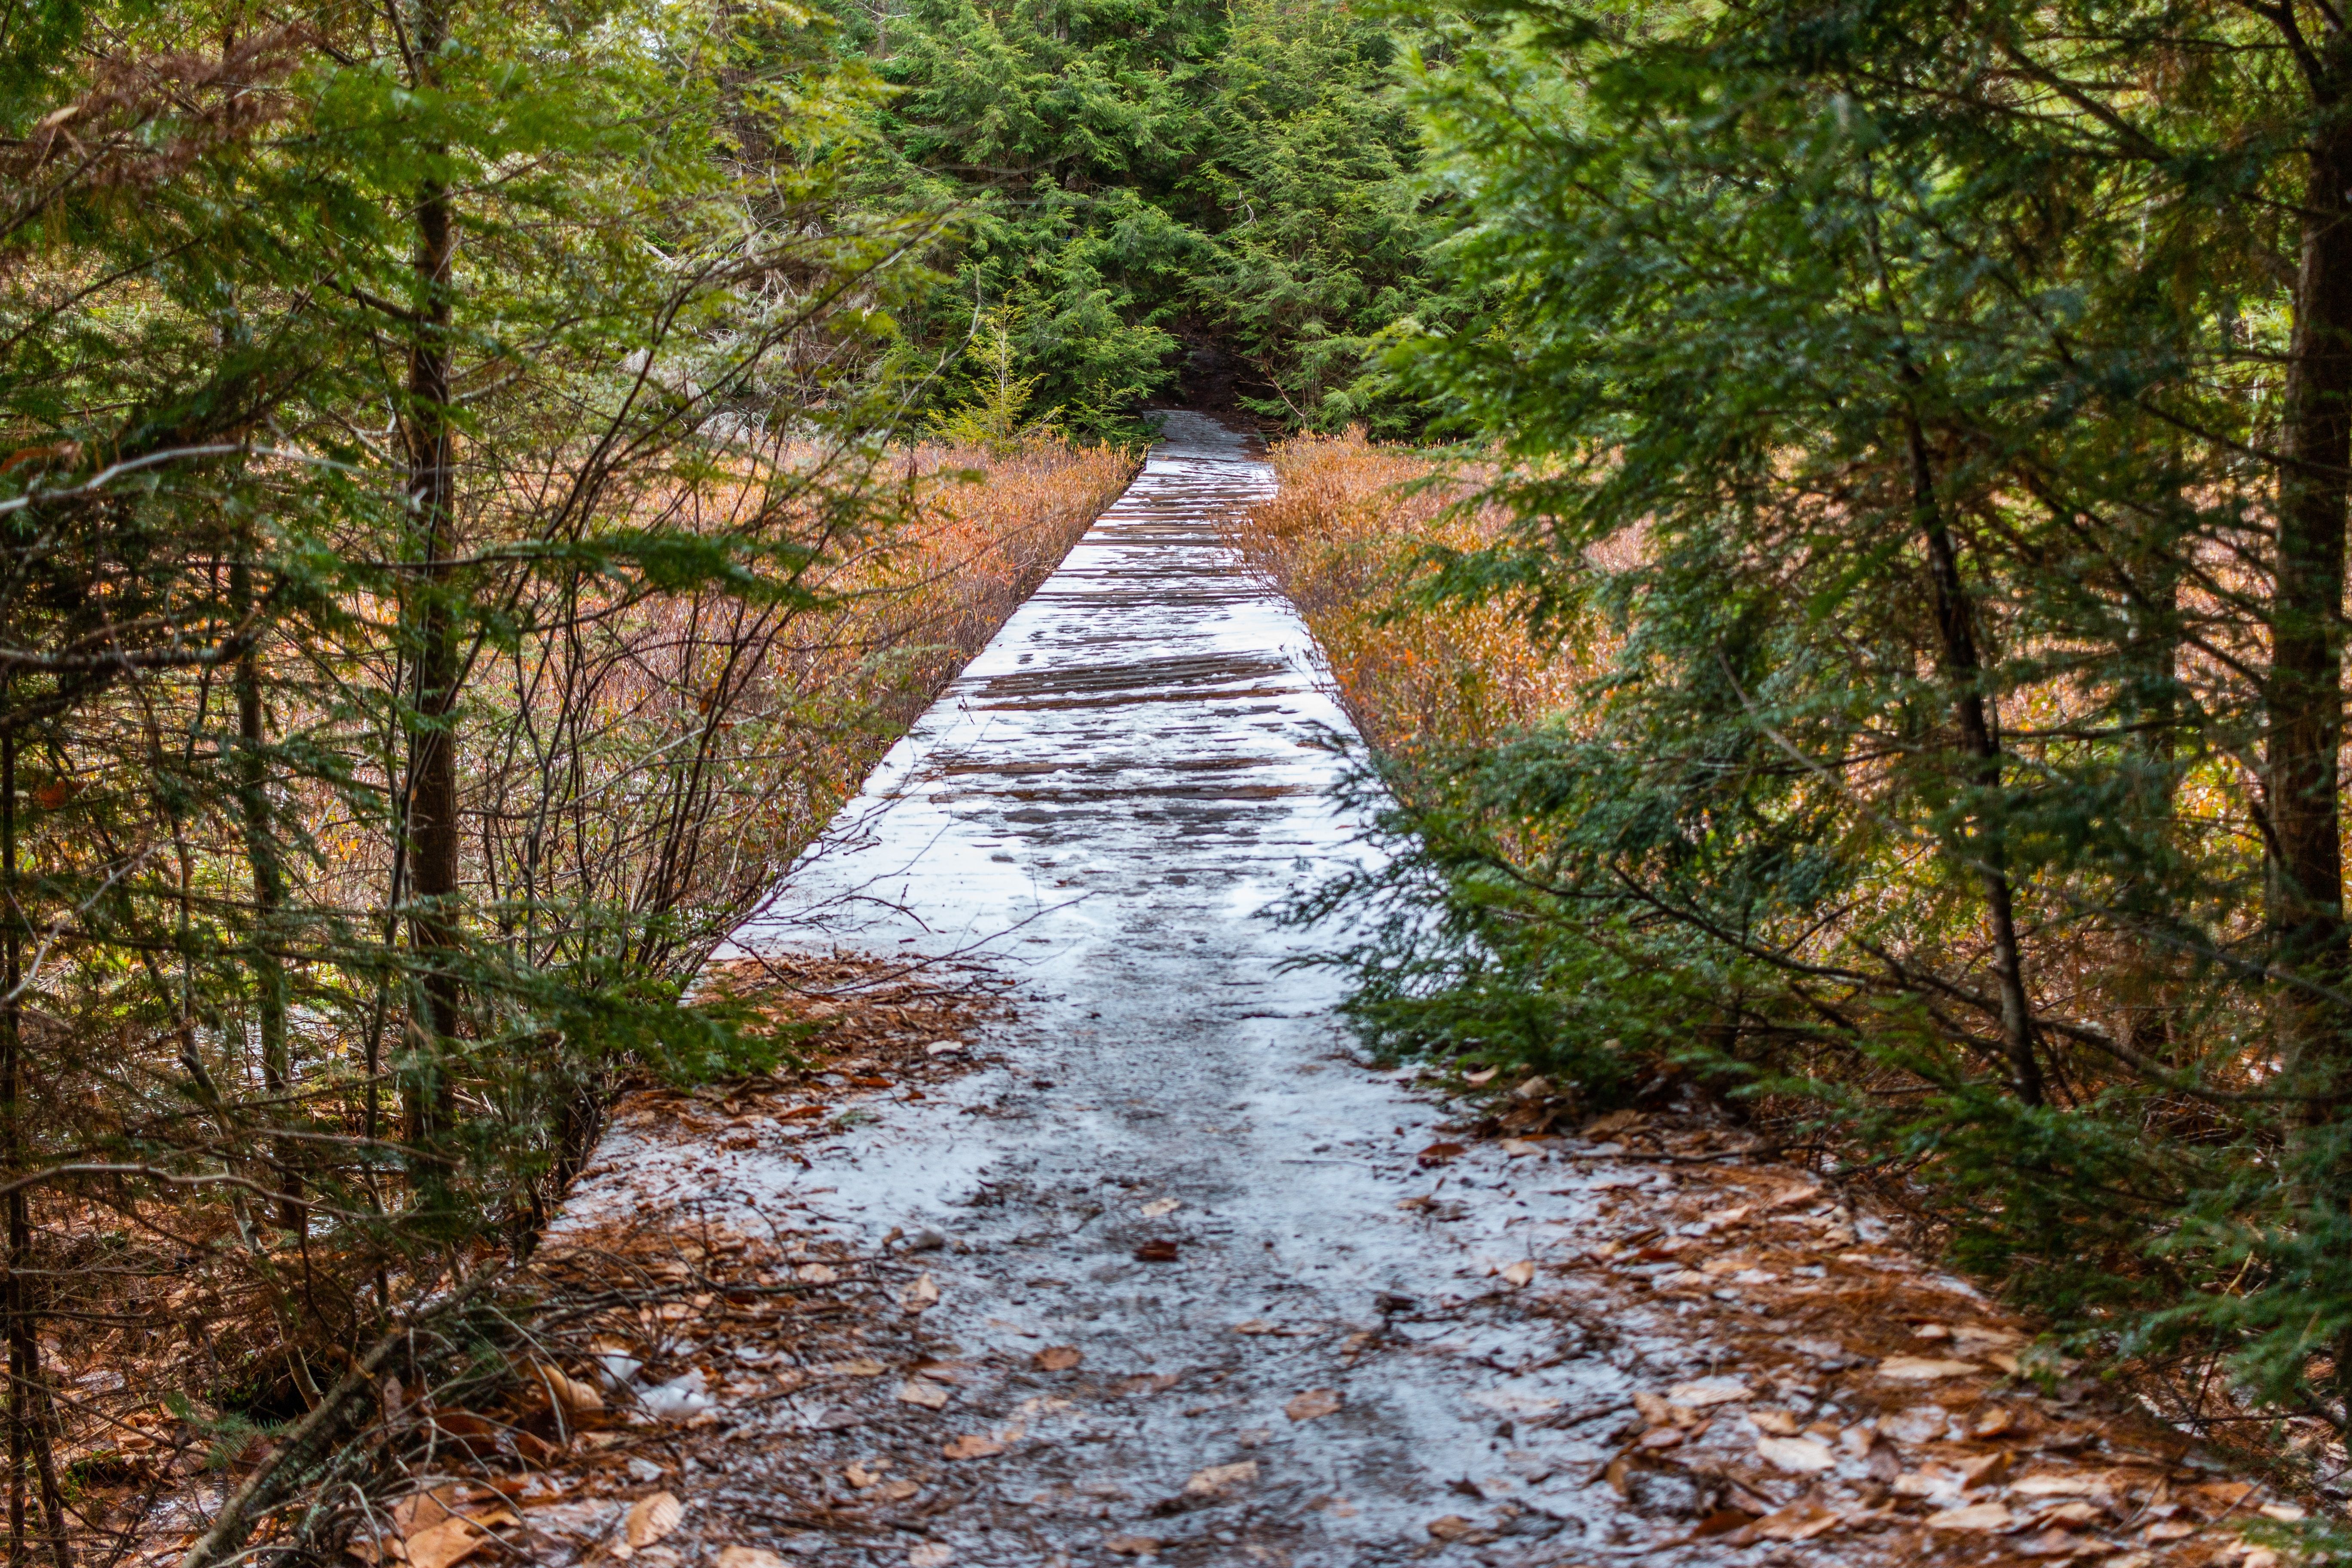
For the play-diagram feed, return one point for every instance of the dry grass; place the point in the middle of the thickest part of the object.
(1344, 532)
(179, 1326)
(986, 530)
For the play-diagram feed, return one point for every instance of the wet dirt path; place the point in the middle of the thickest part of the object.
(1196, 1297)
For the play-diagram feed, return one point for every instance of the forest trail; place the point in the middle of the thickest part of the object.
(1172, 1274)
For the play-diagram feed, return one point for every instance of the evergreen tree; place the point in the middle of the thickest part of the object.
(345, 364)
(1943, 407)
(1163, 196)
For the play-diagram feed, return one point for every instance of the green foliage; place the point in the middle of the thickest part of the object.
(1134, 183)
(1888, 387)
(232, 554)
(993, 416)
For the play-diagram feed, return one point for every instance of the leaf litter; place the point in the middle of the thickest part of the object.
(1815, 1429)
(1686, 1302)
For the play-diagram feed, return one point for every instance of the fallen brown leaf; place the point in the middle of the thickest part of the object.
(650, 1518)
(1983, 1516)
(1654, 1408)
(2048, 1485)
(421, 1510)
(1218, 1480)
(1722, 1521)
(1438, 1154)
(921, 1296)
(1315, 1402)
(815, 1274)
(1159, 1206)
(750, 1557)
(1519, 1274)
(929, 1396)
(1986, 1470)
(1057, 1358)
(1146, 1382)
(1994, 1422)
(864, 1366)
(1799, 1455)
(1922, 1369)
(1131, 1545)
(1156, 1252)
(571, 1395)
(1454, 1527)
(803, 1113)
(451, 1540)
(1800, 1521)
(973, 1446)
(1706, 1391)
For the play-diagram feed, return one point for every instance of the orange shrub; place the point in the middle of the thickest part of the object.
(1340, 539)
(986, 528)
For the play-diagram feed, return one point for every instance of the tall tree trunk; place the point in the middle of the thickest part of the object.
(2143, 987)
(2303, 717)
(432, 794)
(2305, 702)
(1964, 675)
(28, 1403)
(268, 882)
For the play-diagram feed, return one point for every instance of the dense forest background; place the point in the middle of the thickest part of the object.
(1848, 614)
(1188, 202)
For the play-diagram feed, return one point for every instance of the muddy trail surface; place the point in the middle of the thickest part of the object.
(1165, 1272)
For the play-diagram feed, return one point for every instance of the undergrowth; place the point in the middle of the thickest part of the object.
(1550, 906)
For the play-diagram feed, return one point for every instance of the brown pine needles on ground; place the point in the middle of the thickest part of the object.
(186, 1333)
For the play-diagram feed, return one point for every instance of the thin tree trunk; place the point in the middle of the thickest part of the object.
(268, 885)
(2152, 577)
(1963, 673)
(432, 794)
(2304, 701)
(28, 1413)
